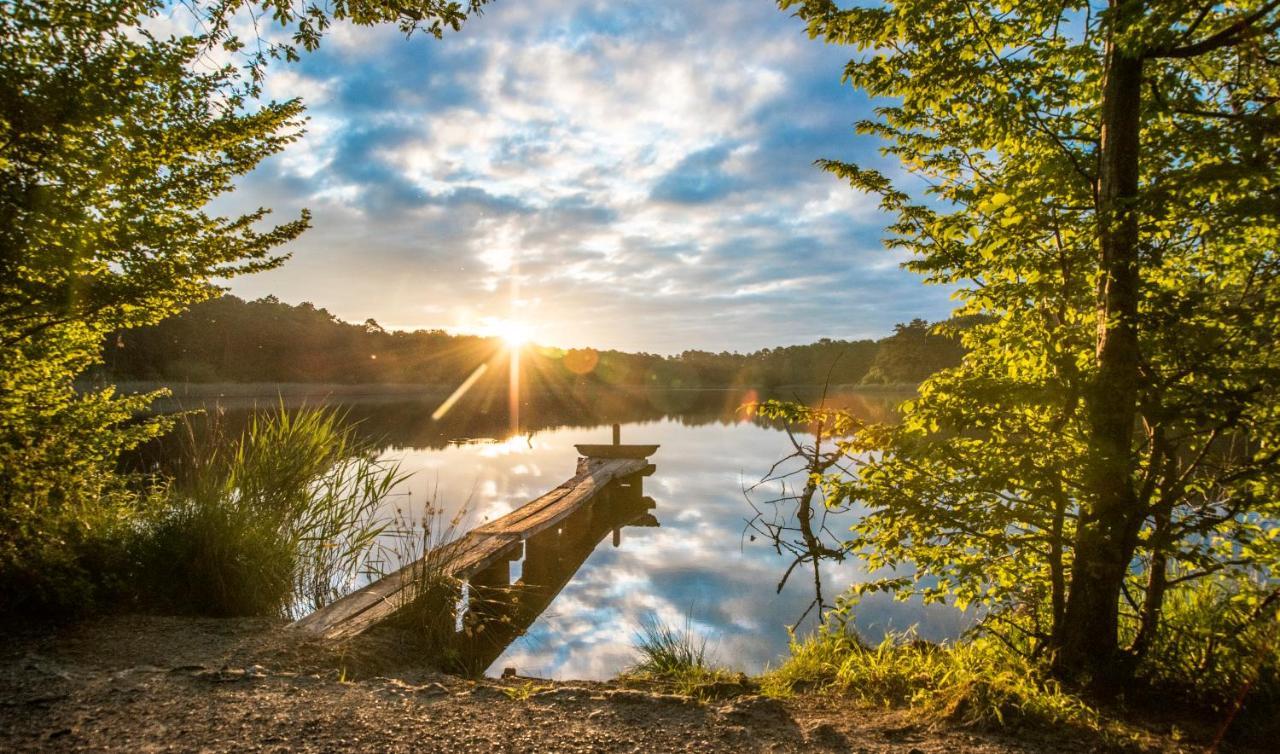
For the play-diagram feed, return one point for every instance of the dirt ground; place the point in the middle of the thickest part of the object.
(143, 684)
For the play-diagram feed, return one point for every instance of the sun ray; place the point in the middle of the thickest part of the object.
(459, 392)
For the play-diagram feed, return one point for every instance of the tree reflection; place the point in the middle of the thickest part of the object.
(794, 520)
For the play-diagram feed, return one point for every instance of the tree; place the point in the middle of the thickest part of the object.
(113, 140)
(1103, 183)
(912, 354)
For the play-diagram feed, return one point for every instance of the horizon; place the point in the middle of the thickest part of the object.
(532, 342)
(636, 177)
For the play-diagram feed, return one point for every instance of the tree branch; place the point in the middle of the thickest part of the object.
(1225, 37)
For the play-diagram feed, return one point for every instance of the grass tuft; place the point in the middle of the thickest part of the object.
(677, 659)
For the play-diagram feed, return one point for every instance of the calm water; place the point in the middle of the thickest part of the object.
(690, 557)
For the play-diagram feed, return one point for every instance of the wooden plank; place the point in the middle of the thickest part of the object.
(363, 614)
(485, 545)
(553, 514)
(529, 520)
(616, 451)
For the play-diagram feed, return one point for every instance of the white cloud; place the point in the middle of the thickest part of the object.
(532, 144)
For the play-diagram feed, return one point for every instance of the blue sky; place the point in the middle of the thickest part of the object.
(633, 175)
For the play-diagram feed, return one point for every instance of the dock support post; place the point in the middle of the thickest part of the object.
(617, 434)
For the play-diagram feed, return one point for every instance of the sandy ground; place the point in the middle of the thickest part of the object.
(142, 684)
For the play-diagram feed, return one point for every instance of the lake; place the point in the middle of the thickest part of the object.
(690, 559)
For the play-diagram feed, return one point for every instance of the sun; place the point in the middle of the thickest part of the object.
(514, 334)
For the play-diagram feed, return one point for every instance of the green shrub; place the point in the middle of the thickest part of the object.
(1219, 644)
(66, 517)
(279, 522)
(976, 683)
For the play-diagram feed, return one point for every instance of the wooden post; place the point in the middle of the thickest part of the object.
(617, 434)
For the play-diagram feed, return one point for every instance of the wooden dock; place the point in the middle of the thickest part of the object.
(498, 541)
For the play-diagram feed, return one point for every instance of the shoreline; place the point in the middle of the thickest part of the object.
(144, 682)
(370, 389)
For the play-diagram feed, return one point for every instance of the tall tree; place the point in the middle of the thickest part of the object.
(113, 140)
(1104, 188)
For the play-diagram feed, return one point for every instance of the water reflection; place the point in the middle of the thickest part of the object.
(501, 610)
(700, 563)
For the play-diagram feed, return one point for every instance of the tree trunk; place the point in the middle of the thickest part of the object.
(1157, 583)
(1111, 516)
(1057, 570)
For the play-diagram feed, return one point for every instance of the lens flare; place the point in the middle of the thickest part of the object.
(461, 391)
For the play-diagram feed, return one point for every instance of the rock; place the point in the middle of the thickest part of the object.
(119, 674)
(826, 735)
(755, 707)
(635, 696)
(562, 694)
(509, 672)
(42, 665)
(232, 675)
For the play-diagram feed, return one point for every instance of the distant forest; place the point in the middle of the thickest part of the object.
(229, 339)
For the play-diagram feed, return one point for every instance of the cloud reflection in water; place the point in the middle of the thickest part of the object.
(697, 564)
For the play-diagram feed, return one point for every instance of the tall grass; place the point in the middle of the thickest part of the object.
(976, 683)
(279, 521)
(428, 609)
(665, 650)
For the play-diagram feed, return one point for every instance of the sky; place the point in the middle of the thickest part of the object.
(615, 174)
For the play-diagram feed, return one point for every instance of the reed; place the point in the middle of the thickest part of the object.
(279, 521)
(432, 611)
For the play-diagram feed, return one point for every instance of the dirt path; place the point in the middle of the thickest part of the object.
(142, 684)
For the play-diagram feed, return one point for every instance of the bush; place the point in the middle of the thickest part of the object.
(975, 683)
(1219, 644)
(65, 517)
(279, 522)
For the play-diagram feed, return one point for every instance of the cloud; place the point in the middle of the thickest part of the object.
(630, 175)
(698, 178)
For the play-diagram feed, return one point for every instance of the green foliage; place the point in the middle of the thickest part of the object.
(525, 691)
(1216, 643)
(1114, 424)
(114, 139)
(279, 522)
(113, 142)
(978, 683)
(65, 517)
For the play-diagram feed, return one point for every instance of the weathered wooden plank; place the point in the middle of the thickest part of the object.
(530, 519)
(376, 602)
(617, 451)
(364, 613)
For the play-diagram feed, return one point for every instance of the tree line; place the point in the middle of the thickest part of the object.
(228, 339)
